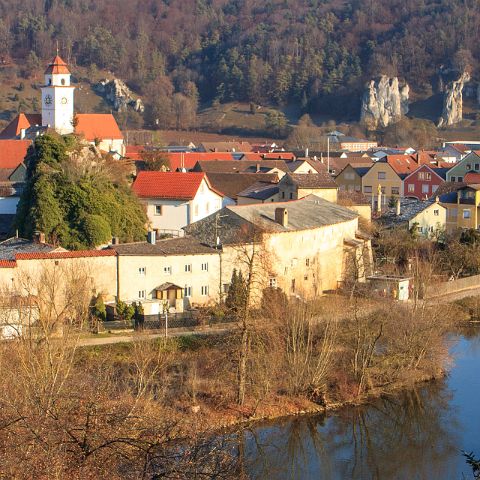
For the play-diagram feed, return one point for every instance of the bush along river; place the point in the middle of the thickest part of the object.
(417, 434)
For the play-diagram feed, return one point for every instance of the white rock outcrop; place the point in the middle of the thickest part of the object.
(384, 102)
(452, 112)
(119, 95)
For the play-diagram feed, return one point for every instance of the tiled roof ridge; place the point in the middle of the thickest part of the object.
(60, 255)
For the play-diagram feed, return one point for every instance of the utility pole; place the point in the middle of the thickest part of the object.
(328, 154)
(217, 247)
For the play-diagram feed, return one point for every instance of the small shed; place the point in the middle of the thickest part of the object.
(392, 286)
(170, 292)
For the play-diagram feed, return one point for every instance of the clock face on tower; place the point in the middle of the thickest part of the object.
(64, 100)
(48, 100)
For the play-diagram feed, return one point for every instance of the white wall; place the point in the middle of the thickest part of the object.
(174, 215)
(205, 203)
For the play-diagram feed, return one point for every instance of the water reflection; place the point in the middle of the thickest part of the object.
(410, 436)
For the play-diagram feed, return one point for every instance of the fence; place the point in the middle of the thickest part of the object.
(453, 286)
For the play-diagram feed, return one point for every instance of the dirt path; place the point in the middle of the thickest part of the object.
(174, 332)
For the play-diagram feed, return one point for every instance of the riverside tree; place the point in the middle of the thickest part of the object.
(73, 196)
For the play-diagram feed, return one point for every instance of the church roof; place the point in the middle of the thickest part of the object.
(21, 121)
(97, 125)
(57, 65)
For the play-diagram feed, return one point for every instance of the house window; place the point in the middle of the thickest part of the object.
(460, 179)
(434, 188)
(307, 262)
(142, 294)
(425, 188)
(283, 194)
(382, 175)
(204, 267)
(453, 179)
(158, 210)
(453, 213)
(395, 191)
(292, 287)
(421, 175)
(411, 187)
(187, 291)
(204, 290)
(142, 270)
(436, 213)
(468, 166)
(167, 270)
(272, 282)
(305, 277)
(291, 196)
(466, 214)
(226, 287)
(477, 166)
(188, 267)
(367, 189)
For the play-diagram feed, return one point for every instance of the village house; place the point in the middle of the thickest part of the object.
(426, 218)
(58, 113)
(304, 247)
(470, 163)
(259, 192)
(12, 179)
(423, 182)
(350, 178)
(382, 177)
(462, 208)
(352, 144)
(237, 187)
(175, 199)
(180, 272)
(224, 147)
(294, 186)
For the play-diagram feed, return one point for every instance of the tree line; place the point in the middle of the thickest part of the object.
(317, 53)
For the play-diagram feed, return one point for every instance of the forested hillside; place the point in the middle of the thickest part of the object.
(317, 53)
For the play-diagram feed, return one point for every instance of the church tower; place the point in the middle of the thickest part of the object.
(57, 97)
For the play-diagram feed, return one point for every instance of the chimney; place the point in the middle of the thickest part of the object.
(115, 240)
(152, 237)
(39, 237)
(281, 216)
(257, 168)
(22, 133)
(437, 199)
(397, 205)
(306, 152)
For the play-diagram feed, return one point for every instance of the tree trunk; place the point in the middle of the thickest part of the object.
(242, 365)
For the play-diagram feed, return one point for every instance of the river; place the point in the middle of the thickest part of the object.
(414, 435)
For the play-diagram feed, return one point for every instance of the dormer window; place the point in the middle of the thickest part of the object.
(49, 81)
(62, 81)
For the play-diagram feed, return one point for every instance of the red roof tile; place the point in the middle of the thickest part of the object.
(471, 177)
(97, 125)
(12, 152)
(169, 185)
(189, 159)
(21, 121)
(402, 163)
(8, 263)
(60, 255)
(57, 65)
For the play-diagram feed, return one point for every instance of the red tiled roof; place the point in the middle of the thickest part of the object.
(279, 156)
(169, 185)
(21, 121)
(59, 255)
(189, 159)
(134, 152)
(8, 263)
(97, 125)
(57, 65)
(402, 163)
(471, 177)
(12, 152)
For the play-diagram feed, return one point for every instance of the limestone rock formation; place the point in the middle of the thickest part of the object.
(385, 101)
(119, 95)
(452, 112)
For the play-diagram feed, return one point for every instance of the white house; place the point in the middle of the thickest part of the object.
(176, 199)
